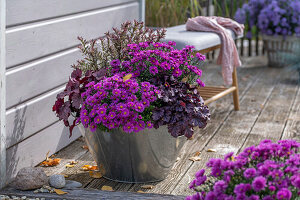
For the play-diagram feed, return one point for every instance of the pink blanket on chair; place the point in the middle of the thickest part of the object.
(228, 57)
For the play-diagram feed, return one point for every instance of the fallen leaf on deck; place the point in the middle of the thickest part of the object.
(73, 162)
(211, 150)
(195, 158)
(140, 191)
(85, 147)
(89, 168)
(147, 186)
(106, 188)
(49, 162)
(69, 166)
(66, 176)
(95, 174)
(59, 192)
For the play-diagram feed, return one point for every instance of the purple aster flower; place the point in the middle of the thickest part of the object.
(98, 119)
(145, 102)
(121, 106)
(200, 173)
(166, 66)
(153, 70)
(116, 92)
(141, 124)
(85, 121)
(139, 107)
(210, 196)
(102, 111)
(296, 181)
(220, 187)
(149, 124)
(284, 193)
(115, 63)
(177, 72)
(111, 115)
(200, 83)
(111, 126)
(128, 128)
(125, 64)
(250, 173)
(200, 56)
(125, 112)
(93, 127)
(131, 105)
(259, 183)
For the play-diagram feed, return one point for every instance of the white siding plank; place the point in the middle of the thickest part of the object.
(28, 42)
(2, 95)
(32, 79)
(33, 150)
(30, 117)
(24, 11)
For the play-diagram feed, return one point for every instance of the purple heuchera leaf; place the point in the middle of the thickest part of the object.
(183, 111)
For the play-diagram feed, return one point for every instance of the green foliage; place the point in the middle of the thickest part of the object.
(165, 13)
(99, 52)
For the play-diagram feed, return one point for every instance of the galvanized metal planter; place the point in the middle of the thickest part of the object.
(142, 157)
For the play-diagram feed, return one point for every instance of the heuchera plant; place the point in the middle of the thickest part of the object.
(150, 79)
(268, 171)
(271, 17)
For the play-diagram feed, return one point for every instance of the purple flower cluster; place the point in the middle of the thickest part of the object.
(271, 17)
(268, 171)
(116, 102)
(148, 60)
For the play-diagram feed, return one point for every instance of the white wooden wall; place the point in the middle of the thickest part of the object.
(41, 40)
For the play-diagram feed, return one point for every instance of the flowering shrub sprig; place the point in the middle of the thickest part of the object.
(268, 171)
(116, 102)
(271, 17)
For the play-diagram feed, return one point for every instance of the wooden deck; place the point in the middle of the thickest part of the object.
(269, 109)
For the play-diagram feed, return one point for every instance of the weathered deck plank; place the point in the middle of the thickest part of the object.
(292, 128)
(83, 194)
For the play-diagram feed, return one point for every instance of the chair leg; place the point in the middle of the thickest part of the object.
(236, 92)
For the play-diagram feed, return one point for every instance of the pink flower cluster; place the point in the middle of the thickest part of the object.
(268, 171)
(117, 102)
(148, 60)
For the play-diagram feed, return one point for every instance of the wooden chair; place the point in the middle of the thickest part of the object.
(205, 42)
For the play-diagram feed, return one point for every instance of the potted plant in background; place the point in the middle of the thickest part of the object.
(268, 171)
(279, 23)
(128, 92)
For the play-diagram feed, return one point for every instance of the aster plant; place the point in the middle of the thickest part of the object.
(268, 171)
(271, 17)
(133, 81)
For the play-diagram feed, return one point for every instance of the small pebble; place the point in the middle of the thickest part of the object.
(57, 181)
